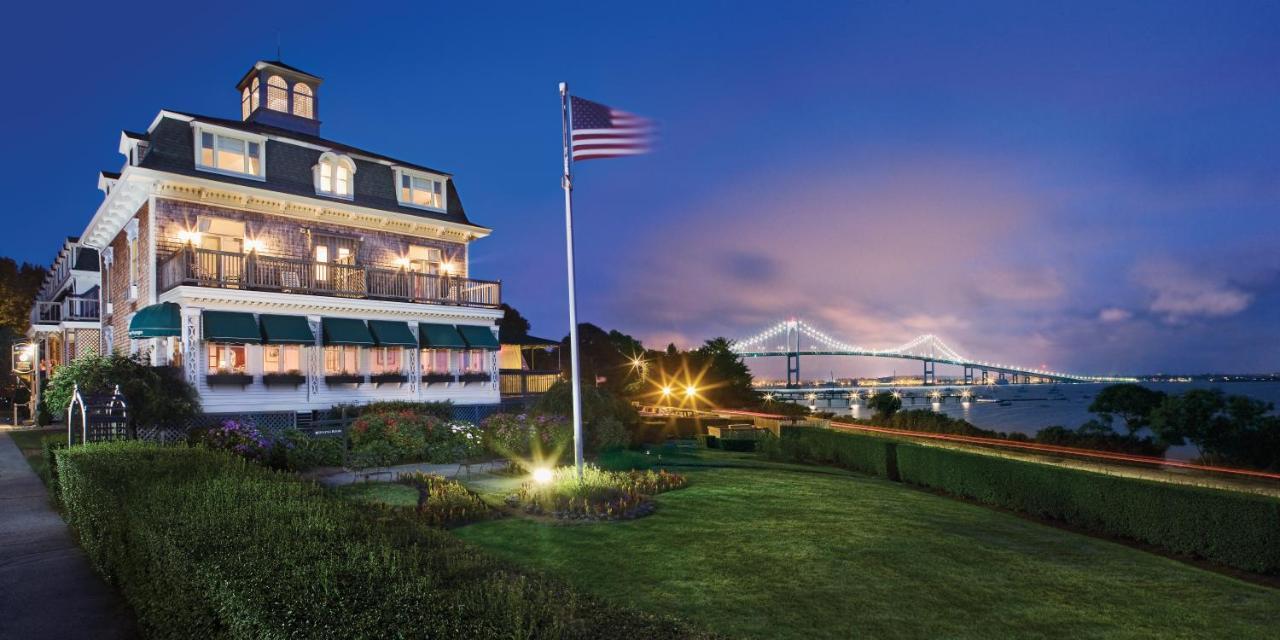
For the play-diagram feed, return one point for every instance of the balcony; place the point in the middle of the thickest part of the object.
(526, 382)
(230, 270)
(70, 309)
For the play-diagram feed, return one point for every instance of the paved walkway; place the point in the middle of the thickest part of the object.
(338, 477)
(47, 588)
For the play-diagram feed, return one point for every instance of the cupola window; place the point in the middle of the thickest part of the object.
(277, 94)
(303, 105)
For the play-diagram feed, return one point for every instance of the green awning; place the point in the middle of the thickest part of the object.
(440, 336)
(478, 337)
(285, 329)
(346, 331)
(231, 326)
(156, 321)
(390, 333)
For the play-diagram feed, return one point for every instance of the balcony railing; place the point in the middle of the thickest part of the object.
(70, 308)
(523, 382)
(230, 270)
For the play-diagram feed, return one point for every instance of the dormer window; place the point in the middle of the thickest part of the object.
(277, 94)
(225, 151)
(302, 101)
(334, 175)
(422, 190)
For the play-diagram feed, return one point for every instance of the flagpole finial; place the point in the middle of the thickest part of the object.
(564, 88)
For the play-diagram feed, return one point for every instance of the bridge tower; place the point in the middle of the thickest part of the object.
(968, 374)
(929, 372)
(793, 354)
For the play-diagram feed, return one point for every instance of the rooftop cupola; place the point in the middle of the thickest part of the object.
(276, 94)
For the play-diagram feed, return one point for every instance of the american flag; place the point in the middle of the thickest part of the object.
(605, 132)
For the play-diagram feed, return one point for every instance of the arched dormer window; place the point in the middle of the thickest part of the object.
(277, 94)
(244, 105)
(302, 101)
(255, 96)
(335, 175)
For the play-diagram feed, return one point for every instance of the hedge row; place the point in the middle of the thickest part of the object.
(206, 545)
(1236, 529)
(824, 446)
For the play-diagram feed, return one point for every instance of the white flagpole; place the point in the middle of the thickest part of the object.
(566, 181)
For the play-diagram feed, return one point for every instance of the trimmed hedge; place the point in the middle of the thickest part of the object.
(207, 545)
(1236, 529)
(825, 446)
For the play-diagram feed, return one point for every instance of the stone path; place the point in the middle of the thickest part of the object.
(47, 588)
(338, 477)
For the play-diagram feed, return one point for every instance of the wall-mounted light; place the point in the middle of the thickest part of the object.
(447, 268)
(251, 246)
(402, 262)
(187, 236)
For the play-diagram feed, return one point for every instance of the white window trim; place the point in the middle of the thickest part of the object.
(201, 128)
(444, 188)
(335, 159)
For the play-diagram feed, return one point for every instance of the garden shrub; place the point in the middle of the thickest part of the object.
(445, 503)
(304, 452)
(1236, 529)
(608, 434)
(204, 544)
(528, 437)
(403, 435)
(239, 437)
(599, 495)
(442, 411)
(49, 446)
(825, 446)
(156, 395)
(599, 408)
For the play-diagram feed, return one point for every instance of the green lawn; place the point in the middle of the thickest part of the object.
(28, 442)
(779, 554)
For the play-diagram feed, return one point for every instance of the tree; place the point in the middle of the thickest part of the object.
(1132, 402)
(884, 404)
(604, 359)
(1196, 416)
(18, 288)
(513, 327)
(726, 378)
(155, 395)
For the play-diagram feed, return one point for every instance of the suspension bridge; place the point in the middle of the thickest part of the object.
(794, 338)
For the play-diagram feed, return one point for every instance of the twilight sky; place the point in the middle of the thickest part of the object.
(1088, 187)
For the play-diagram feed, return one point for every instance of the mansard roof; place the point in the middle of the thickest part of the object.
(290, 157)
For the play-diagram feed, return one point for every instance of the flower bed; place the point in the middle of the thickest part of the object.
(405, 435)
(443, 502)
(599, 495)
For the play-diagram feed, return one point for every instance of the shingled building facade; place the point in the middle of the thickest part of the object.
(285, 272)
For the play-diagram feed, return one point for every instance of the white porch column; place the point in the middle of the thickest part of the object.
(192, 345)
(315, 359)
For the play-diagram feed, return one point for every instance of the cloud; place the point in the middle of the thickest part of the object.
(1179, 293)
(1114, 314)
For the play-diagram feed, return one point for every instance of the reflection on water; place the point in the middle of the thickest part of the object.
(1029, 408)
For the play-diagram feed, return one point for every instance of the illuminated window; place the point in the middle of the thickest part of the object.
(386, 360)
(334, 174)
(282, 358)
(473, 361)
(228, 153)
(424, 259)
(245, 110)
(435, 360)
(226, 358)
(421, 190)
(303, 103)
(341, 360)
(220, 234)
(277, 94)
(255, 96)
